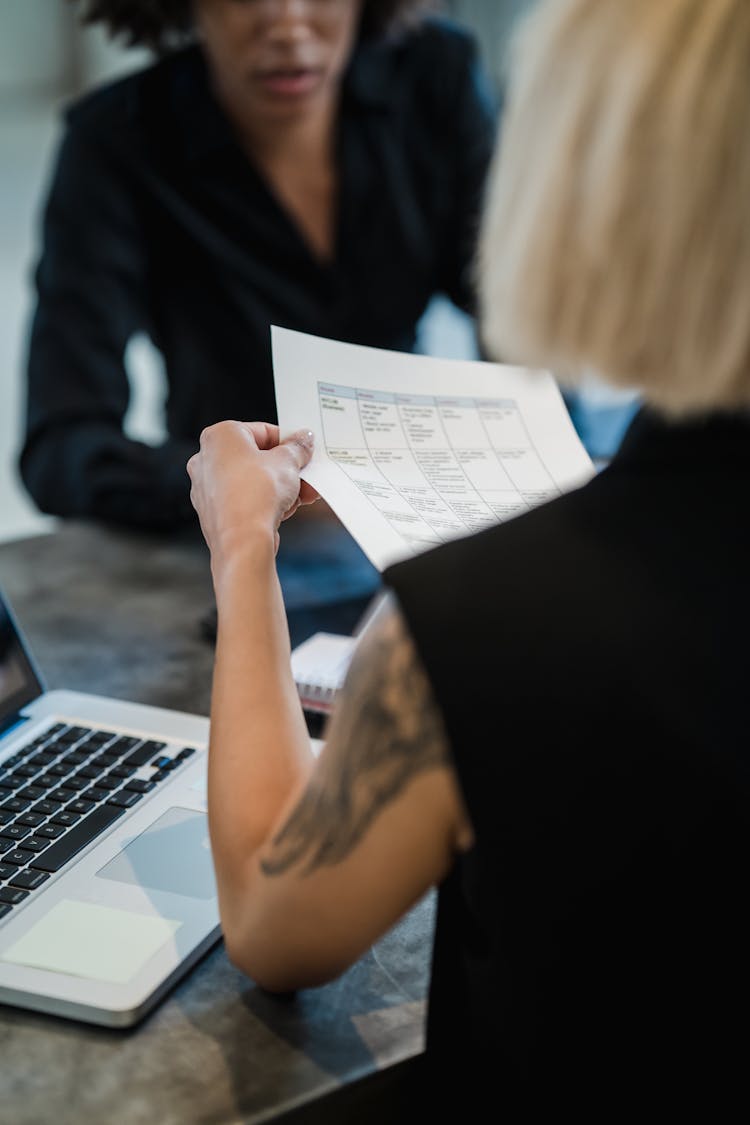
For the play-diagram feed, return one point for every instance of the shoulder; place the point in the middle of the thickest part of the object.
(439, 38)
(388, 722)
(552, 545)
(439, 55)
(437, 60)
(119, 110)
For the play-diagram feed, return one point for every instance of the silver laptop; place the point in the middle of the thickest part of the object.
(107, 892)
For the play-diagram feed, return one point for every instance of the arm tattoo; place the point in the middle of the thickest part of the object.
(386, 730)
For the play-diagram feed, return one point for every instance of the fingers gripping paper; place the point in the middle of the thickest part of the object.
(412, 451)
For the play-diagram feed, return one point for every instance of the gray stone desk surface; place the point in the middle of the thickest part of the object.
(118, 614)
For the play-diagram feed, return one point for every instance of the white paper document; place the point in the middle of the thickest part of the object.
(412, 451)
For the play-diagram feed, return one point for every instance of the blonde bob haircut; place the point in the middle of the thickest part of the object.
(616, 234)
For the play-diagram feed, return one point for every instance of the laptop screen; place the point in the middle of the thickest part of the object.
(19, 683)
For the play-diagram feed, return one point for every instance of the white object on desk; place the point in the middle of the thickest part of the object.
(319, 666)
(86, 939)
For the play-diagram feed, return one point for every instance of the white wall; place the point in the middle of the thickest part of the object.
(35, 41)
(44, 59)
(493, 21)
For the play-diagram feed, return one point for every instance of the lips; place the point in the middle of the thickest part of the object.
(289, 81)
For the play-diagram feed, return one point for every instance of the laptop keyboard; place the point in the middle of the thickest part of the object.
(61, 791)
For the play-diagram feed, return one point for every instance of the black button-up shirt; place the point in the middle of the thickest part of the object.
(158, 222)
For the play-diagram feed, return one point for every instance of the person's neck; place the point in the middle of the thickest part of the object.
(308, 138)
(297, 158)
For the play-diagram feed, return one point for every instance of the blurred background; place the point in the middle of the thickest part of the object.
(47, 59)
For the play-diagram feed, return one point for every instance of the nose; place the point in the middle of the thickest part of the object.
(288, 20)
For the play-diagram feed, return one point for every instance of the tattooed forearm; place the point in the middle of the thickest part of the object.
(386, 730)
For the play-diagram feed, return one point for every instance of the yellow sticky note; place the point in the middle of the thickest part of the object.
(92, 941)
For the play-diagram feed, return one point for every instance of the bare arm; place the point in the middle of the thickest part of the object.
(377, 822)
(315, 860)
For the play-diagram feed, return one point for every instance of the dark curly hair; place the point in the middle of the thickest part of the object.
(160, 23)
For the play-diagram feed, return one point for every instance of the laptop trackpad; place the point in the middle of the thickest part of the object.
(172, 854)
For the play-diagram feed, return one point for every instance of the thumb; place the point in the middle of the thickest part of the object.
(300, 445)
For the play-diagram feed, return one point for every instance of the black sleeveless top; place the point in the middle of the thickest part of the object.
(591, 662)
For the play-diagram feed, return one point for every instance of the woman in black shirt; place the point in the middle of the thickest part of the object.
(316, 165)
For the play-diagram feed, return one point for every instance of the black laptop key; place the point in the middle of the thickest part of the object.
(32, 819)
(67, 738)
(60, 769)
(92, 794)
(14, 760)
(41, 785)
(17, 779)
(14, 832)
(35, 844)
(121, 746)
(29, 880)
(124, 800)
(5, 845)
(108, 782)
(19, 857)
(80, 806)
(73, 734)
(144, 753)
(6, 816)
(77, 782)
(49, 832)
(6, 871)
(122, 771)
(73, 759)
(66, 819)
(139, 785)
(6, 786)
(32, 792)
(47, 807)
(77, 838)
(45, 782)
(164, 763)
(63, 794)
(4, 909)
(12, 895)
(99, 737)
(42, 758)
(186, 753)
(27, 770)
(105, 760)
(92, 771)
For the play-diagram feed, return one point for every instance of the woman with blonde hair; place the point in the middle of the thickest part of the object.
(548, 718)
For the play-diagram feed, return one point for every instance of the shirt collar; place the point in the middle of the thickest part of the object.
(368, 80)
